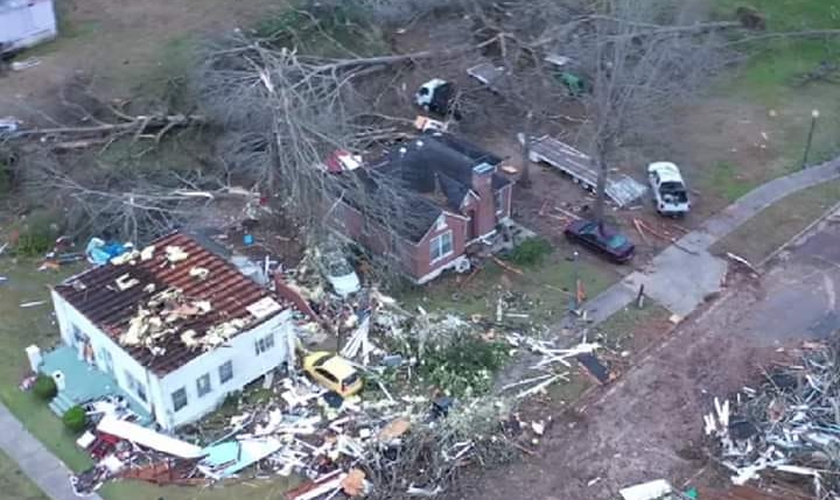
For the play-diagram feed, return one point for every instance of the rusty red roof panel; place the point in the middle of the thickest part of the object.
(95, 295)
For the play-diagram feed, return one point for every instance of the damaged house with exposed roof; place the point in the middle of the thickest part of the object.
(174, 326)
(449, 195)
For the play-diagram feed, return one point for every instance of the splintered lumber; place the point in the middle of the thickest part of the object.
(740, 260)
(526, 381)
(651, 230)
(539, 387)
(567, 213)
(639, 230)
(504, 265)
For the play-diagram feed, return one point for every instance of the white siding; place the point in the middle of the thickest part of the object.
(247, 367)
(68, 317)
(25, 23)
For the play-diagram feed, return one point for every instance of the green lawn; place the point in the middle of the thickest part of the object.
(618, 330)
(15, 484)
(775, 225)
(724, 177)
(764, 91)
(542, 291)
(18, 329)
(770, 78)
(779, 60)
(22, 327)
(273, 488)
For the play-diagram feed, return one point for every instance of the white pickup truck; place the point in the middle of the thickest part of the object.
(668, 187)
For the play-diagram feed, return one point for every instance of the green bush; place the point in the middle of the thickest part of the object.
(36, 234)
(530, 252)
(75, 419)
(44, 387)
(463, 367)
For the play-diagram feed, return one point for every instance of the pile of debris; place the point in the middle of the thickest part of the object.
(789, 426)
(397, 447)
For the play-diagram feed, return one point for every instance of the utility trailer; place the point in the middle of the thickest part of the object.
(620, 188)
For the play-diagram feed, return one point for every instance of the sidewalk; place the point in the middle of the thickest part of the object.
(681, 277)
(45, 470)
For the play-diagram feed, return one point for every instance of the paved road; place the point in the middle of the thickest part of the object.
(648, 425)
(683, 275)
(679, 279)
(45, 470)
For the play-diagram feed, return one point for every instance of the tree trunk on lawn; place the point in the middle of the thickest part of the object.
(525, 178)
(600, 189)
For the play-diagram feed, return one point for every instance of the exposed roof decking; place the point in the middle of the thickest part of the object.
(96, 295)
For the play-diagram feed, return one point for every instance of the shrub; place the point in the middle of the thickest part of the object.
(530, 252)
(75, 419)
(37, 234)
(44, 387)
(463, 367)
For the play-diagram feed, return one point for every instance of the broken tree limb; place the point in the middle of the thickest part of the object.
(669, 239)
(139, 125)
(470, 277)
(556, 289)
(504, 265)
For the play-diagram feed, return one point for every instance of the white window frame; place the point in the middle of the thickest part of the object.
(203, 385)
(436, 243)
(137, 387)
(176, 397)
(225, 368)
(440, 224)
(107, 360)
(264, 344)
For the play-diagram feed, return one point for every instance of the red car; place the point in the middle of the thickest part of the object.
(602, 238)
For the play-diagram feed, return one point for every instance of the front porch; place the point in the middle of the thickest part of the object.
(83, 383)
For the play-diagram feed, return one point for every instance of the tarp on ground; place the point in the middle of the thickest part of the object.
(229, 457)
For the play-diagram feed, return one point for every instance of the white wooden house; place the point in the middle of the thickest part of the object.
(176, 326)
(24, 23)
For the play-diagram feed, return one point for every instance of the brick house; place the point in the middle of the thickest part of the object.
(451, 197)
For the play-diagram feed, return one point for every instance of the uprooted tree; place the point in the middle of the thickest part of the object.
(275, 101)
(633, 62)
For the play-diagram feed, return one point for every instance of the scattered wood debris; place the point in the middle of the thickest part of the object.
(789, 427)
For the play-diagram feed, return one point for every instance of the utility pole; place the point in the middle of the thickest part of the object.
(814, 115)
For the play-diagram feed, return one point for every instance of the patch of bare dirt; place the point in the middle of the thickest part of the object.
(118, 43)
(647, 425)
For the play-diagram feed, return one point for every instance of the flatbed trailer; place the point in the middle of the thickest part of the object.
(621, 189)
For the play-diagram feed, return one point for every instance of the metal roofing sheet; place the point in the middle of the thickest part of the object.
(96, 295)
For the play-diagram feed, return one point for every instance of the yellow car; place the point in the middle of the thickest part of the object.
(333, 372)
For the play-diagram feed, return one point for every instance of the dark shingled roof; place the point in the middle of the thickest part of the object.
(415, 213)
(95, 295)
(434, 170)
(439, 161)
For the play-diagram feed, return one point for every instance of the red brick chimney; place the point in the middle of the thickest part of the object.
(482, 184)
